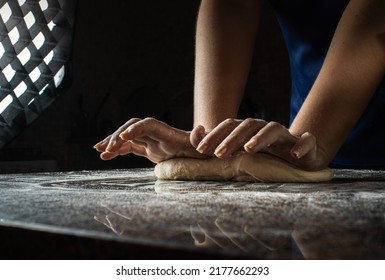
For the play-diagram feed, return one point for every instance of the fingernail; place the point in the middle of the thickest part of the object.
(98, 144)
(202, 147)
(297, 153)
(199, 127)
(220, 151)
(250, 145)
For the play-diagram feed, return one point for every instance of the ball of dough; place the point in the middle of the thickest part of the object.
(257, 167)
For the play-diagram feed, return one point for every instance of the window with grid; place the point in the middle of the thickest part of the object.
(35, 47)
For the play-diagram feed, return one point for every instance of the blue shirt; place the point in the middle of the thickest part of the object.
(308, 27)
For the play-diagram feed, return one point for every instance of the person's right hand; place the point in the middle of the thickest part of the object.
(255, 135)
(148, 138)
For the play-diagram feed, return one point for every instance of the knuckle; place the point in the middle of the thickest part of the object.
(116, 134)
(257, 123)
(308, 134)
(310, 137)
(249, 122)
(133, 120)
(261, 121)
(274, 125)
(228, 121)
(149, 120)
(129, 123)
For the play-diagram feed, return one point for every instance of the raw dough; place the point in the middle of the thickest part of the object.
(242, 167)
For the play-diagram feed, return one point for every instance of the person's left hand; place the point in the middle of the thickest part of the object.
(148, 138)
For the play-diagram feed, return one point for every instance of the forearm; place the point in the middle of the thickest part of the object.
(352, 71)
(224, 47)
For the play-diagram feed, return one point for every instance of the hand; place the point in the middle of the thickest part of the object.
(254, 135)
(149, 138)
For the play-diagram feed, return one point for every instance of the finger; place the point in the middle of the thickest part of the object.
(147, 127)
(148, 148)
(154, 129)
(305, 147)
(239, 137)
(139, 150)
(197, 135)
(145, 148)
(102, 145)
(217, 135)
(108, 155)
(144, 142)
(126, 148)
(115, 141)
(272, 133)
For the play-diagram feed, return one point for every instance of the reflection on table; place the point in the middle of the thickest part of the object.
(342, 219)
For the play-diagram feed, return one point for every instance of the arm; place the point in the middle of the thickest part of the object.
(353, 68)
(225, 36)
(352, 71)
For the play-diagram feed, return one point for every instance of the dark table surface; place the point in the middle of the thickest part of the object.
(128, 214)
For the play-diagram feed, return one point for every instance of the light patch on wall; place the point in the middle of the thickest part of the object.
(5, 12)
(40, 92)
(2, 50)
(51, 25)
(20, 89)
(35, 74)
(29, 20)
(14, 35)
(43, 5)
(24, 56)
(8, 72)
(59, 76)
(5, 103)
(49, 57)
(39, 40)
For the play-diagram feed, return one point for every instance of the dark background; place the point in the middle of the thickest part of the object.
(135, 58)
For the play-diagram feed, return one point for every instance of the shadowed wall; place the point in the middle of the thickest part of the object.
(135, 59)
